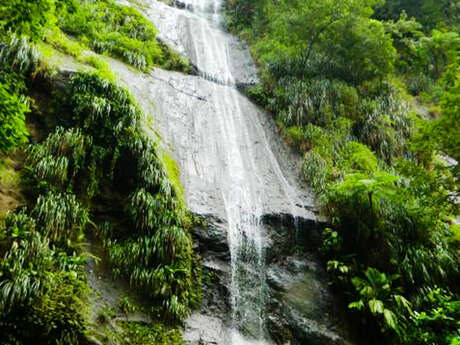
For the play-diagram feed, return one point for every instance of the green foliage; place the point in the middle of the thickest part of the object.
(59, 158)
(117, 30)
(376, 295)
(299, 35)
(26, 17)
(430, 13)
(442, 134)
(18, 55)
(12, 118)
(408, 235)
(126, 305)
(324, 61)
(438, 322)
(424, 55)
(153, 248)
(61, 217)
(327, 77)
(150, 334)
(17, 58)
(41, 289)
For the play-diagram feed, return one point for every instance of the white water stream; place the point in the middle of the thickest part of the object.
(240, 183)
(227, 164)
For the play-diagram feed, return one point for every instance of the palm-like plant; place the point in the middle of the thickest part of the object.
(19, 54)
(60, 217)
(60, 157)
(26, 259)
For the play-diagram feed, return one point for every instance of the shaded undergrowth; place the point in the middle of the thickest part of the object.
(94, 171)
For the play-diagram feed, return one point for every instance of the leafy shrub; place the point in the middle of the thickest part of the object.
(117, 30)
(379, 297)
(17, 58)
(13, 130)
(326, 71)
(153, 248)
(437, 319)
(61, 217)
(408, 236)
(138, 333)
(26, 17)
(60, 157)
(41, 291)
(18, 55)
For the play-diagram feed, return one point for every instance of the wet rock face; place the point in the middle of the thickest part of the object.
(300, 303)
(299, 307)
(185, 32)
(262, 283)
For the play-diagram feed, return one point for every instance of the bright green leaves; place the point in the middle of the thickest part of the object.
(41, 291)
(431, 13)
(59, 158)
(358, 157)
(327, 76)
(333, 37)
(61, 217)
(119, 31)
(28, 18)
(441, 136)
(140, 333)
(113, 29)
(390, 318)
(437, 321)
(379, 297)
(147, 209)
(379, 185)
(13, 130)
(425, 53)
(17, 58)
(375, 306)
(446, 129)
(152, 248)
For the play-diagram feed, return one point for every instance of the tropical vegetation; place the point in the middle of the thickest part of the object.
(77, 137)
(368, 92)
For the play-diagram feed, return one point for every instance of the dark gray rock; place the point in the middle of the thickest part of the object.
(212, 238)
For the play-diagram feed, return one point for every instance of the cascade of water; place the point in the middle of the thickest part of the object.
(239, 185)
(225, 157)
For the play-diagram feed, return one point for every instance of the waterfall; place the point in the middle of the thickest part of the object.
(240, 183)
(228, 165)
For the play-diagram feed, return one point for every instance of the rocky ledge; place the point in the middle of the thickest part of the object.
(300, 305)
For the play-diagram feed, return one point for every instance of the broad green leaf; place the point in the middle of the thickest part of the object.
(376, 306)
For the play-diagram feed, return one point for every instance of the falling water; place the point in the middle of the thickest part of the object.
(243, 206)
(227, 165)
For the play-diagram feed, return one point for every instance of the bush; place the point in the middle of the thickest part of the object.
(17, 59)
(117, 30)
(13, 130)
(152, 248)
(61, 218)
(26, 17)
(41, 289)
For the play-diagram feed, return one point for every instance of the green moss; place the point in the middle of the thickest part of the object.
(137, 333)
(8, 175)
(173, 172)
(60, 41)
(102, 66)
